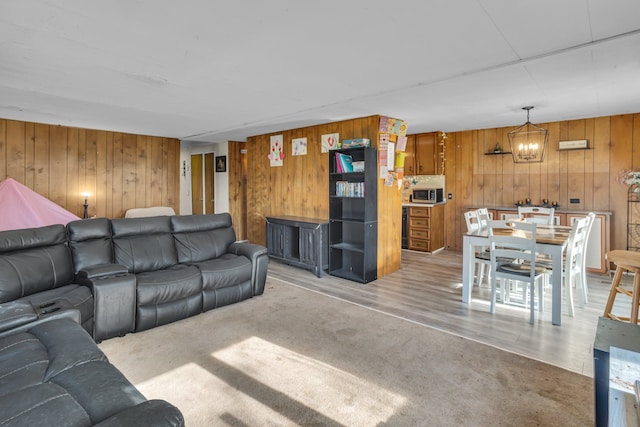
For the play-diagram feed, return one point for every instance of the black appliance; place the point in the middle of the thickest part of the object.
(405, 223)
(427, 195)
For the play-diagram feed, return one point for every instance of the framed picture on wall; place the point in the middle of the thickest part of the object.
(221, 163)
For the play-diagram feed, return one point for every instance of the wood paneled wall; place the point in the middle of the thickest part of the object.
(300, 186)
(237, 167)
(119, 170)
(476, 179)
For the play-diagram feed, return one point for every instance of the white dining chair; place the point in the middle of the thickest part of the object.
(483, 217)
(480, 254)
(583, 292)
(536, 214)
(574, 267)
(513, 258)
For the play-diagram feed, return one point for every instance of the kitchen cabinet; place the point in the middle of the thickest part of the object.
(558, 218)
(426, 228)
(298, 241)
(409, 156)
(422, 154)
(353, 216)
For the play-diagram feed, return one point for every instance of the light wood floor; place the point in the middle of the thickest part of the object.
(428, 290)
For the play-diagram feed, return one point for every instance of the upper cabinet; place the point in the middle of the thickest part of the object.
(422, 155)
(409, 156)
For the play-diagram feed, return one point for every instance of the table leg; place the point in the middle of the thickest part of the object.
(467, 266)
(556, 286)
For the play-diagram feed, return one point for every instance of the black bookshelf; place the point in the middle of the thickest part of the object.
(353, 216)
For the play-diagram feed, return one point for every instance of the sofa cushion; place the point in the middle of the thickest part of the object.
(167, 295)
(219, 297)
(226, 270)
(23, 363)
(157, 287)
(202, 237)
(33, 260)
(143, 244)
(90, 242)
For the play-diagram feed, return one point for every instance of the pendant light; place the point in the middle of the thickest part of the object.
(528, 142)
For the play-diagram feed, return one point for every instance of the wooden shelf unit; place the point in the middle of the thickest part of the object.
(353, 220)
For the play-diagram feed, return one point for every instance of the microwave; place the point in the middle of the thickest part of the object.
(427, 195)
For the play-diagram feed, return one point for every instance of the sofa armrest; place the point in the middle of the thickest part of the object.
(114, 305)
(114, 299)
(100, 271)
(259, 258)
(16, 313)
(149, 413)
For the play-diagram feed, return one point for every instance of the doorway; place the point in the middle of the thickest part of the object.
(203, 183)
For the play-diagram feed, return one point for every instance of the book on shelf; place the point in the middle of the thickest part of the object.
(349, 189)
(344, 163)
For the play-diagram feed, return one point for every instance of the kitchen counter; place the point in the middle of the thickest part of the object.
(557, 210)
(423, 204)
(423, 226)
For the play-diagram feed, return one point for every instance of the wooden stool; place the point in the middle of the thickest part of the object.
(624, 261)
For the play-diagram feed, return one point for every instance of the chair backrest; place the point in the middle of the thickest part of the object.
(483, 217)
(152, 211)
(513, 254)
(471, 218)
(537, 215)
(592, 219)
(578, 239)
(577, 242)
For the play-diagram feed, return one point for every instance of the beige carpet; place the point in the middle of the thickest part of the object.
(296, 357)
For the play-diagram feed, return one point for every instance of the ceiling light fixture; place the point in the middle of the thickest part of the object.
(528, 142)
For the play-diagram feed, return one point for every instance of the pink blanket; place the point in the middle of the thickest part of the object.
(21, 207)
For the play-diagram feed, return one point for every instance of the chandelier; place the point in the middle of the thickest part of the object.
(528, 142)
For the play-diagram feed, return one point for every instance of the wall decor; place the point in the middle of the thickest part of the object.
(383, 146)
(299, 147)
(330, 141)
(276, 152)
(221, 163)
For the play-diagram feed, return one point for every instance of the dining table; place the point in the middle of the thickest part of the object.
(551, 240)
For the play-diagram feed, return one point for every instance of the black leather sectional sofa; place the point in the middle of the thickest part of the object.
(108, 277)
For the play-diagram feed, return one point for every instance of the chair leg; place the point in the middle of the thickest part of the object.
(532, 310)
(617, 277)
(584, 288)
(541, 294)
(635, 298)
(568, 291)
(492, 306)
(481, 273)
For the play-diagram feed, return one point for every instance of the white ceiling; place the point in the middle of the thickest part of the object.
(211, 71)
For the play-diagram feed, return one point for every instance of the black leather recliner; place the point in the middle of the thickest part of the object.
(53, 374)
(166, 291)
(36, 268)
